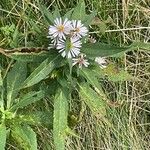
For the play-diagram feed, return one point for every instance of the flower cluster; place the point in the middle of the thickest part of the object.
(66, 37)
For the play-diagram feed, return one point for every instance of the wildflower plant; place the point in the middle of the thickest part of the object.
(67, 68)
(66, 36)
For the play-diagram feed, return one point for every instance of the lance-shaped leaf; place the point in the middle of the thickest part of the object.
(102, 50)
(60, 120)
(27, 99)
(140, 45)
(79, 11)
(47, 15)
(92, 78)
(25, 136)
(56, 13)
(3, 133)
(115, 74)
(121, 76)
(89, 18)
(96, 104)
(68, 14)
(15, 78)
(42, 71)
(35, 118)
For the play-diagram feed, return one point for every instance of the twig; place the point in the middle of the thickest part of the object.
(127, 29)
(2, 51)
(23, 50)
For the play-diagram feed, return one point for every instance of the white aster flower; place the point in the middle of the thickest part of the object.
(101, 61)
(60, 28)
(79, 29)
(80, 61)
(69, 48)
(53, 42)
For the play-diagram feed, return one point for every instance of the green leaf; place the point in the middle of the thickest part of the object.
(15, 38)
(89, 18)
(60, 120)
(111, 70)
(140, 45)
(102, 50)
(92, 78)
(3, 133)
(120, 76)
(102, 27)
(72, 133)
(116, 74)
(46, 14)
(79, 11)
(50, 88)
(15, 78)
(25, 137)
(93, 100)
(68, 14)
(35, 26)
(42, 71)
(56, 13)
(27, 99)
(37, 118)
(97, 70)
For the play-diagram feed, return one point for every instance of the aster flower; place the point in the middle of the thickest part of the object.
(60, 28)
(79, 29)
(81, 61)
(90, 39)
(101, 61)
(53, 42)
(69, 48)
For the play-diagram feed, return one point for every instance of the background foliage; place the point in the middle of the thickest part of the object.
(123, 124)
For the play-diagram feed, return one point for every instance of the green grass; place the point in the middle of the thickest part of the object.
(127, 123)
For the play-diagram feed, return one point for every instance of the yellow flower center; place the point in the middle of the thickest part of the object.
(60, 28)
(77, 30)
(70, 46)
